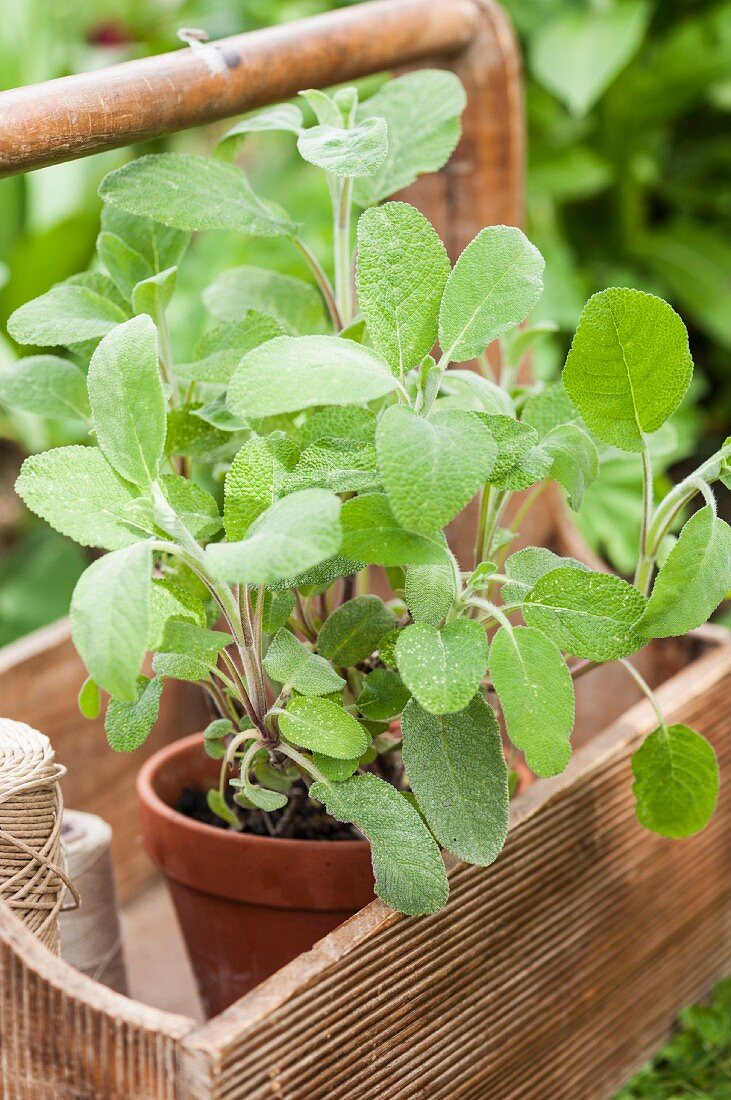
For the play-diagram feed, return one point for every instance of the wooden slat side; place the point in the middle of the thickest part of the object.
(553, 973)
(39, 680)
(65, 1037)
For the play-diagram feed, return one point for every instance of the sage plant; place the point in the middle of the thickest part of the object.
(242, 495)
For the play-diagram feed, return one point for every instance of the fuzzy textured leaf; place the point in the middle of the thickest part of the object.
(431, 468)
(359, 151)
(520, 461)
(430, 592)
(372, 535)
(575, 460)
(536, 694)
(78, 493)
(252, 484)
(323, 725)
(402, 270)
(693, 580)
(383, 695)
(126, 266)
(629, 365)
(676, 781)
(110, 611)
(352, 632)
(423, 112)
(443, 667)
(457, 771)
(408, 867)
(288, 661)
(128, 725)
(526, 566)
(127, 400)
(281, 118)
(341, 465)
(46, 385)
(68, 313)
(297, 305)
(294, 534)
(193, 193)
(592, 615)
(494, 285)
(296, 372)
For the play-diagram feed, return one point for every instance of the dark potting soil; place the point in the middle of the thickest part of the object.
(307, 822)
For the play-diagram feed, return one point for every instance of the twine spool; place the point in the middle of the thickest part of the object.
(90, 937)
(33, 880)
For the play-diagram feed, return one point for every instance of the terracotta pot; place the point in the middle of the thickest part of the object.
(246, 904)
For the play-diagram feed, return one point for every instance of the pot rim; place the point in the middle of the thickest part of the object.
(146, 792)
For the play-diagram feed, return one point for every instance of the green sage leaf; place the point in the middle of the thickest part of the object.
(383, 696)
(294, 534)
(90, 703)
(78, 493)
(129, 724)
(422, 110)
(430, 592)
(526, 566)
(408, 867)
(295, 304)
(629, 365)
(401, 274)
(68, 313)
(358, 151)
(457, 771)
(110, 611)
(289, 661)
(575, 460)
(252, 483)
(46, 385)
(443, 667)
(592, 615)
(193, 193)
(520, 460)
(694, 579)
(372, 535)
(676, 781)
(127, 400)
(431, 468)
(323, 725)
(296, 372)
(536, 694)
(352, 632)
(494, 285)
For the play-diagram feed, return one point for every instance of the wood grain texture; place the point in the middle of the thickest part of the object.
(65, 1037)
(553, 973)
(40, 677)
(77, 115)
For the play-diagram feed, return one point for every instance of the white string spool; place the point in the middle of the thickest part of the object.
(91, 937)
(33, 880)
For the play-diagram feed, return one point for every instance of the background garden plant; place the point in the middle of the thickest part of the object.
(335, 439)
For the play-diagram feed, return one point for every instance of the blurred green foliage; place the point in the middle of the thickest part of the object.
(49, 221)
(630, 165)
(697, 1060)
(629, 184)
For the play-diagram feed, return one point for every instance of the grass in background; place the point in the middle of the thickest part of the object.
(696, 1062)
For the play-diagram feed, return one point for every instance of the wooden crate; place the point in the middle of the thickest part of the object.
(551, 974)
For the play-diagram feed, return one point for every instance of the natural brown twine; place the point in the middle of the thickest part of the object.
(32, 874)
